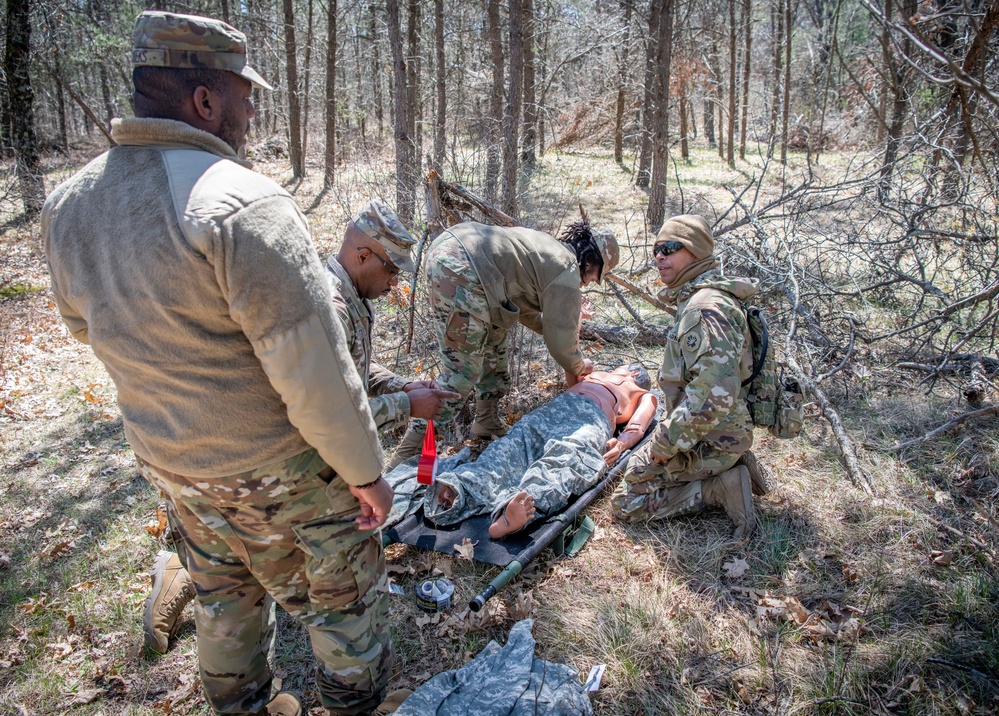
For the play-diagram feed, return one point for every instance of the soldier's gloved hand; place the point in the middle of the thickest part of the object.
(427, 403)
(417, 384)
(376, 502)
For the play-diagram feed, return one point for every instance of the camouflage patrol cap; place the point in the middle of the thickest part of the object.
(610, 252)
(381, 224)
(167, 39)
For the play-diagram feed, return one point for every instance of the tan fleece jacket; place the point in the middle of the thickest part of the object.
(529, 277)
(196, 283)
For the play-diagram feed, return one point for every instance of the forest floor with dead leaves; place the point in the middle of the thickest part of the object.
(839, 603)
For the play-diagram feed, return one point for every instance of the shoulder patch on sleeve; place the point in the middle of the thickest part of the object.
(691, 341)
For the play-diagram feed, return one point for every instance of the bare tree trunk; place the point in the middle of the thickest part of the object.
(747, 19)
(61, 103)
(732, 51)
(17, 62)
(440, 120)
(225, 11)
(405, 180)
(622, 79)
(786, 111)
(294, 108)
(900, 88)
(413, 112)
(511, 117)
(684, 144)
(106, 95)
(709, 122)
(495, 102)
(309, 36)
(660, 141)
(886, 75)
(527, 153)
(644, 174)
(376, 73)
(329, 158)
(778, 9)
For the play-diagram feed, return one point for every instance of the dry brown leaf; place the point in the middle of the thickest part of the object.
(770, 607)
(425, 619)
(157, 528)
(744, 695)
(521, 607)
(4, 561)
(850, 573)
(942, 558)
(465, 550)
(82, 698)
(82, 586)
(60, 650)
(736, 568)
(400, 569)
(796, 610)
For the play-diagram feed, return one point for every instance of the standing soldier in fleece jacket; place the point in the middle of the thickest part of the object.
(196, 282)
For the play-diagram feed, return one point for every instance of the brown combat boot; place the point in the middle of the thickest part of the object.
(488, 423)
(172, 590)
(392, 702)
(732, 491)
(284, 704)
(410, 445)
(759, 476)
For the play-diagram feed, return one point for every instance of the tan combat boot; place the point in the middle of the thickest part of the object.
(172, 590)
(284, 704)
(410, 445)
(488, 423)
(759, 476)
(732, 491)
(392, 702)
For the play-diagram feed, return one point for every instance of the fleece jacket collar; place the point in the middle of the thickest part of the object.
(154, 132)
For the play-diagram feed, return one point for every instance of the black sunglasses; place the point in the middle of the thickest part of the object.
(391, 268)
(666, 248)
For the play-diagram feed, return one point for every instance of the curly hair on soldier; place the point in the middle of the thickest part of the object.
(579, 238)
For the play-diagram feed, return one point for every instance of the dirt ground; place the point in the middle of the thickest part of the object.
(839, 603)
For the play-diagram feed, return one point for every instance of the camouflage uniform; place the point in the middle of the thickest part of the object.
(473, 350)
(389, 404)
(283, 532)
(707, 425)
(553, 452)
(197, 283)
(484, 279)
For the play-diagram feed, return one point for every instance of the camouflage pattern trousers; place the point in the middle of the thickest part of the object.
(282, 533)
(650, 490)
(473, 351)
(553, 452)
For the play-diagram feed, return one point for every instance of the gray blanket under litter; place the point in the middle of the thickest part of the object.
(503, 681)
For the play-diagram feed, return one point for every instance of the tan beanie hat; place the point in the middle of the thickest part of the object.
(692, 231)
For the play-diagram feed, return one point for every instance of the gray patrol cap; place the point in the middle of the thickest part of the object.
(168, 39)
(381, 224)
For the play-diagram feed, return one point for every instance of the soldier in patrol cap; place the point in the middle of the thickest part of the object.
(699, 455)
(197, 283)
(376, 248)
(484, 279)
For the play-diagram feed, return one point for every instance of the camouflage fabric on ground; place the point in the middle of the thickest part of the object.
(282, 533)
(473, 351)
(553, 452)
(503, 681)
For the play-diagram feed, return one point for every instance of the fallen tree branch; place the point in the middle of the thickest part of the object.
(648, 334)
(954, 422)
(857, 476)
(488, 211)
(959, 667)
(644, 295)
